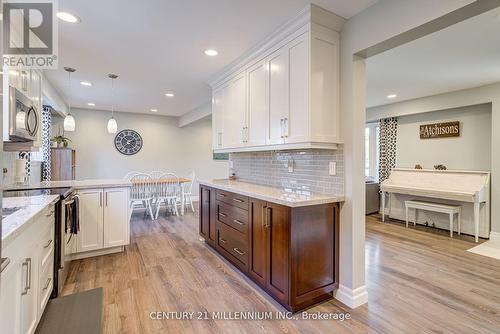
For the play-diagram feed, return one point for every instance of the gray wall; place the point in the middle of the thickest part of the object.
(470, 151)
(166, 146)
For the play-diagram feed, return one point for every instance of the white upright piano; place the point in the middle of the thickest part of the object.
(470, 189)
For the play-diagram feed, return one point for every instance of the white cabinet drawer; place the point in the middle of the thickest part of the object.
(46, 246)
(45, 283)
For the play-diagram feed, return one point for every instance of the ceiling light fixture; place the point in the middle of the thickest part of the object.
(68, 17)
(86, 83)
(169, 94)
(69, 121)
(391, 96)
(154, 110)
(90, 104)
(112, 125)
(211, 52)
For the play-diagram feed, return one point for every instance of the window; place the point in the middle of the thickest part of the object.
(372, 132)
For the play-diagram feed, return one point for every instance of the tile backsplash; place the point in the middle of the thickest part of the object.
(310, 169)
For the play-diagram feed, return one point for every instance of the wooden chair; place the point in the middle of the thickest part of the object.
(142, 192)
(167, 192)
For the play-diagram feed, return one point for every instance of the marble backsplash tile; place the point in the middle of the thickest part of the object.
(310, 169)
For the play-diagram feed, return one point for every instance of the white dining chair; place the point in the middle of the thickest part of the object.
(141, 192)
(188, 190)
(167, 193)
(129, 175)
(156, 174)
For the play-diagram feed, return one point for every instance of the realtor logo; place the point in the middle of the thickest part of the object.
(30, 34)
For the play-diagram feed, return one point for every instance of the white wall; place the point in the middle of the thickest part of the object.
(383, 20)
(470, 151)
(166, 147)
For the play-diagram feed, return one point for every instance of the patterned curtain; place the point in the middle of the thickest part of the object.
(387, 147)
(46, 120)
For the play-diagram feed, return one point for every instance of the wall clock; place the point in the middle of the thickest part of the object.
(128, 142)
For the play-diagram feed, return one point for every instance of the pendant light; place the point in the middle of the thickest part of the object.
(69, 120)
(112, 125)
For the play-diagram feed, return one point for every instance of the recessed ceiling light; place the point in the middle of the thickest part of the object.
(86, 83)
(154, 110)
(211, 52)
(90, 104)
(169, 94)
(391, 96)
(68, 17)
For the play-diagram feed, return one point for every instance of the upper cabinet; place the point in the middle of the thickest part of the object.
(285, 95)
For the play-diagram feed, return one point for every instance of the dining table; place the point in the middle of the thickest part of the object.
(180, 181)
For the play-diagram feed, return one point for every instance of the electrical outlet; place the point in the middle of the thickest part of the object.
(332, 168)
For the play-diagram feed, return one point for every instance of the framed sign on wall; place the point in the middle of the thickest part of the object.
(440, 130)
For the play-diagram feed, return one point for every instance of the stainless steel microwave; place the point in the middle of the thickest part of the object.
(24, 118)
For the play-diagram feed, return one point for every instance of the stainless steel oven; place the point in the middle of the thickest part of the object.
(24, 118)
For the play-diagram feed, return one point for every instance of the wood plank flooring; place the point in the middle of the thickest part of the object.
(418, 282)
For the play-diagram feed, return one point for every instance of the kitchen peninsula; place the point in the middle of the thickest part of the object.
(285, 240)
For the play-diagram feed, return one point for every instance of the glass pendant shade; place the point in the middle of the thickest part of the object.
(112, 126)
(69, 123)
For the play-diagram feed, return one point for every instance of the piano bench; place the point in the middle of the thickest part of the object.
(451, 210)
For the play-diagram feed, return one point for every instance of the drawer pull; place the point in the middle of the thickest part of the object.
(48, 244)
(239, 251)
(238, 222)
(223, 215)
(47, 284)
(49, 214)
(223, 241)
(238, 200)
(5, 263)
(222, 195)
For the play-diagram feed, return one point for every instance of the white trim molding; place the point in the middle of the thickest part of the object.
(495, 236)
(352, 298)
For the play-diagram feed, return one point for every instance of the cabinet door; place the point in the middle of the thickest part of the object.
(29, 294)
(255, 132)
(277, 64)
(297, 121)
(10, 297)
(258, 243)
(116, 217)
(90, 236)
(278, 222)
(235, 113)
(218, 100)
(205, 195)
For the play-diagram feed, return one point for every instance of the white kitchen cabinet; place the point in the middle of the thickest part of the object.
(116, 233)
(235, 112)
(292, 89)
(257, 111)
(90, 236)
(218, 100)
(104, 219)
(10, 297)
(29, 294)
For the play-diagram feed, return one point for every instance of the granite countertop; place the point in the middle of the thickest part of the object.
(283, 196)
(77, 184)
(30, 210)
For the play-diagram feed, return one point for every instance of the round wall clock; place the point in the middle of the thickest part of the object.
(128, 142)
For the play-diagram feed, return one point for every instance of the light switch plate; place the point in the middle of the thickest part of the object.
(332, 169)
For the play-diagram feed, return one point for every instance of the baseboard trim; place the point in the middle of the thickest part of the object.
(99, 252)
(495, 236)
(352, 298)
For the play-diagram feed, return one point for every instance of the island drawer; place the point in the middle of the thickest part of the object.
(234, 245)
(231, 198)
(233, 216)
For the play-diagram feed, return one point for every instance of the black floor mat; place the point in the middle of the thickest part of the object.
(77, 313)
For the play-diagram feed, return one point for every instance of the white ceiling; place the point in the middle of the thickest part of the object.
(462, 56)
(157, 46)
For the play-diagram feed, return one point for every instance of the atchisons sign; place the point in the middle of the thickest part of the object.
(440, 130)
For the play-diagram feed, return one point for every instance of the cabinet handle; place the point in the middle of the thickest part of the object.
(238, 222)
(238, 200)
(100, 200)
(29, 281)
(264, 216)
(281, 126)
(268, 216)
(223, 215)
(223, 241)
(47, 284)
(239, 251)
(48, 244)
(243, 134)
(222, 195)
(106, 198)
(49, 214)
(27, 285)
(5, 263)
(286, 127)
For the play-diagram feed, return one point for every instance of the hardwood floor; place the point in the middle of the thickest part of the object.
(418, 282)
